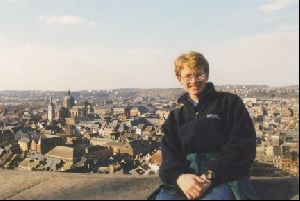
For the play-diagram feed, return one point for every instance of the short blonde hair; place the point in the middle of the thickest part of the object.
(191, 60)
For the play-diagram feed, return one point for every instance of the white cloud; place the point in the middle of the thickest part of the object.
(37, 67)
(276, 5)
(92, 24)
(265, 58)
(288, 27)
(65, 19)
(34, 67)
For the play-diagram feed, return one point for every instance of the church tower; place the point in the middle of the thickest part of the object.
(69, 101)
(51, 111)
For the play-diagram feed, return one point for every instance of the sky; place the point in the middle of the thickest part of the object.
(107, 44)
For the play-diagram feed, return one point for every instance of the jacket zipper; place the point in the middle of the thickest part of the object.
(197, 115)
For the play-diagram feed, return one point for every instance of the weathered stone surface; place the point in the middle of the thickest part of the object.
(46, 185)
(286, 188)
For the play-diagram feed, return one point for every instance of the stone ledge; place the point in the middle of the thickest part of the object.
(47, 186)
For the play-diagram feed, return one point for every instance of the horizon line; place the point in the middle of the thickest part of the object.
(148, 88)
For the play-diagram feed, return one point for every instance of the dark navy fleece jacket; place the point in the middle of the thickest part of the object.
(219, 124)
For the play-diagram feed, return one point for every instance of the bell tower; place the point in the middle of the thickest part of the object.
(51, 111)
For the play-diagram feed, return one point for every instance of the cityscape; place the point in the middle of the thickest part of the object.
(86, 87)
(119, 131)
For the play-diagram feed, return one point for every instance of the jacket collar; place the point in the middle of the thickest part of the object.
(208, 90)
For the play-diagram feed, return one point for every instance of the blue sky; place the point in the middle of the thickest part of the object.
(97, 44)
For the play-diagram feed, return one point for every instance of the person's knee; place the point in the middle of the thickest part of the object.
(221, 192)
(162, 195)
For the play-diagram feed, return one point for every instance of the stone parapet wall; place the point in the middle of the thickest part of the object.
(45, 185)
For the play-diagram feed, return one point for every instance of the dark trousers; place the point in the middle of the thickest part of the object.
(221, 192)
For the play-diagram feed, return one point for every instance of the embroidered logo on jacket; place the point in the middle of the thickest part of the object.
(213, 116)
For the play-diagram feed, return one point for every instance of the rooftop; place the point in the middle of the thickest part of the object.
(45, 185)
(63, 152)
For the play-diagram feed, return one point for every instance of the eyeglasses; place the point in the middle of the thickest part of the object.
(197, 76)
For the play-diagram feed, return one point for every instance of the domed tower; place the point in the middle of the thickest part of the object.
(51, 111)
(69, 101)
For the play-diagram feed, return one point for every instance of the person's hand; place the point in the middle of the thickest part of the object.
(206, 184)
(192, 185)
(202, 188)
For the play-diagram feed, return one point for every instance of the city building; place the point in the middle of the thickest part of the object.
(68, 101)
(67, 154)
(120, 148)
(24, 144)
(51, 111)
(47, 142)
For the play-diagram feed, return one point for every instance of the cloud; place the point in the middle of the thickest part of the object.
(92, 24)
(288, 27)
(66, 20)
(42, 67)
(1, 40)
(265, 58)
(276, 5)
(33, 67)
